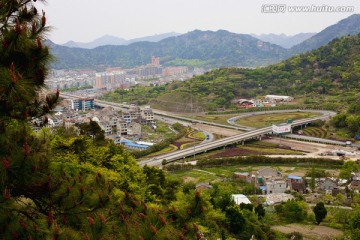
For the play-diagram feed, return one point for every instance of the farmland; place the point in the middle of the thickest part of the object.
(264, 120)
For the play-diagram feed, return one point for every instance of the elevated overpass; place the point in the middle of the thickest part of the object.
(257, 133)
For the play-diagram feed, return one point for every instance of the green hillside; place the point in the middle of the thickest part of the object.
(331, 70)
(196, 48)
(347, 26)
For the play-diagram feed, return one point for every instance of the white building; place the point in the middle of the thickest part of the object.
(240, 198)
(277, 98)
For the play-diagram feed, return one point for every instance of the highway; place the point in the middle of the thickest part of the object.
(206, 146)
(257, 133)
(160, 113)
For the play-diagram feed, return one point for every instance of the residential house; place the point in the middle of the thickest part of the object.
(147, 115)
(277, 198)
(327, 184)
(354, 185)
(134, 129)
(121, 127)
(355, 176)
(106, 127)
(275, 186)
(267, 173)
(135, 113)
(298, 187)
(296, 184)
(245, 176)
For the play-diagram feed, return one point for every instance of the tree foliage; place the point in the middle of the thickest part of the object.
(320, 212)
(292, 210)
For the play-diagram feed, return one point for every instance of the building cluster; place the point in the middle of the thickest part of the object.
(267, 101)
(115, 124)
(273, 183)
(61, 79)
(114, 78)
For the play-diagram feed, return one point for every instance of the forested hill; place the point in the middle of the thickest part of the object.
(330, 69)
(347, 26)
(196, 48)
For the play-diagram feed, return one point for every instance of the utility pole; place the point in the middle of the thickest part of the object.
(194, 141)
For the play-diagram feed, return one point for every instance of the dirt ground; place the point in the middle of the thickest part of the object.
(217, 130)
(314, 150)
(310, 149)
(310, 232)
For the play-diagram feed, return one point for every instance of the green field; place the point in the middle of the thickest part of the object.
(316, 132)
(263, 120)
(221, 119)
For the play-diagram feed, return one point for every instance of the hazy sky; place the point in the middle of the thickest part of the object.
(86, 20)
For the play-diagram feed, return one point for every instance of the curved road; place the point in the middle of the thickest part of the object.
(209, 145)
(257, 133)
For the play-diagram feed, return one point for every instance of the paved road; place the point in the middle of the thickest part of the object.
(169, 157)
(206, 146)
(233, 120)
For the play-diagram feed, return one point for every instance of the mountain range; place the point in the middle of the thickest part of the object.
(113, 40)
(347, 26)
(284, 40)
(332, 70)
(198, 48)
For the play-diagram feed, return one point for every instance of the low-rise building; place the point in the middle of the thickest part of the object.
(121, 127)
(147, 116)
(327, 184)
(278, 98)
(245, 176)
(275, 186)
(240, 198)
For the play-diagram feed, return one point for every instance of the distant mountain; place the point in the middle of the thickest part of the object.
(104, 40)
(347, 26)
(283, 40)
(154, 38)
(332, 69)
(196, 48)
(113, 40)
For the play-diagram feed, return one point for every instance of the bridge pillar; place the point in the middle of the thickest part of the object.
(243, 143)
(260, 138)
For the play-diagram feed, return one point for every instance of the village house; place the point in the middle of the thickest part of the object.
(244, 176)
(147, 115)
(121, 127)
(267, 173)
(274, 186)
(134, 128)
(327, 184)
(297, 184)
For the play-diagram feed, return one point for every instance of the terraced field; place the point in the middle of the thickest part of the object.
(316, 132)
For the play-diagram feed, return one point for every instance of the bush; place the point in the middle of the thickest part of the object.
(212, 162)
(292, 211)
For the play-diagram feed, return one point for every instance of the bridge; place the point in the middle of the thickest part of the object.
(240, 138)
(204, 147)
(122, 106)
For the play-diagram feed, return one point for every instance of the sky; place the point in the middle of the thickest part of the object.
(86, 20)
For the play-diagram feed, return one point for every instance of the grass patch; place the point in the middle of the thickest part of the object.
(263, 120)
(170, 148)
(316, 132)
(221, 119)
(249, 149)
(198, 135)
